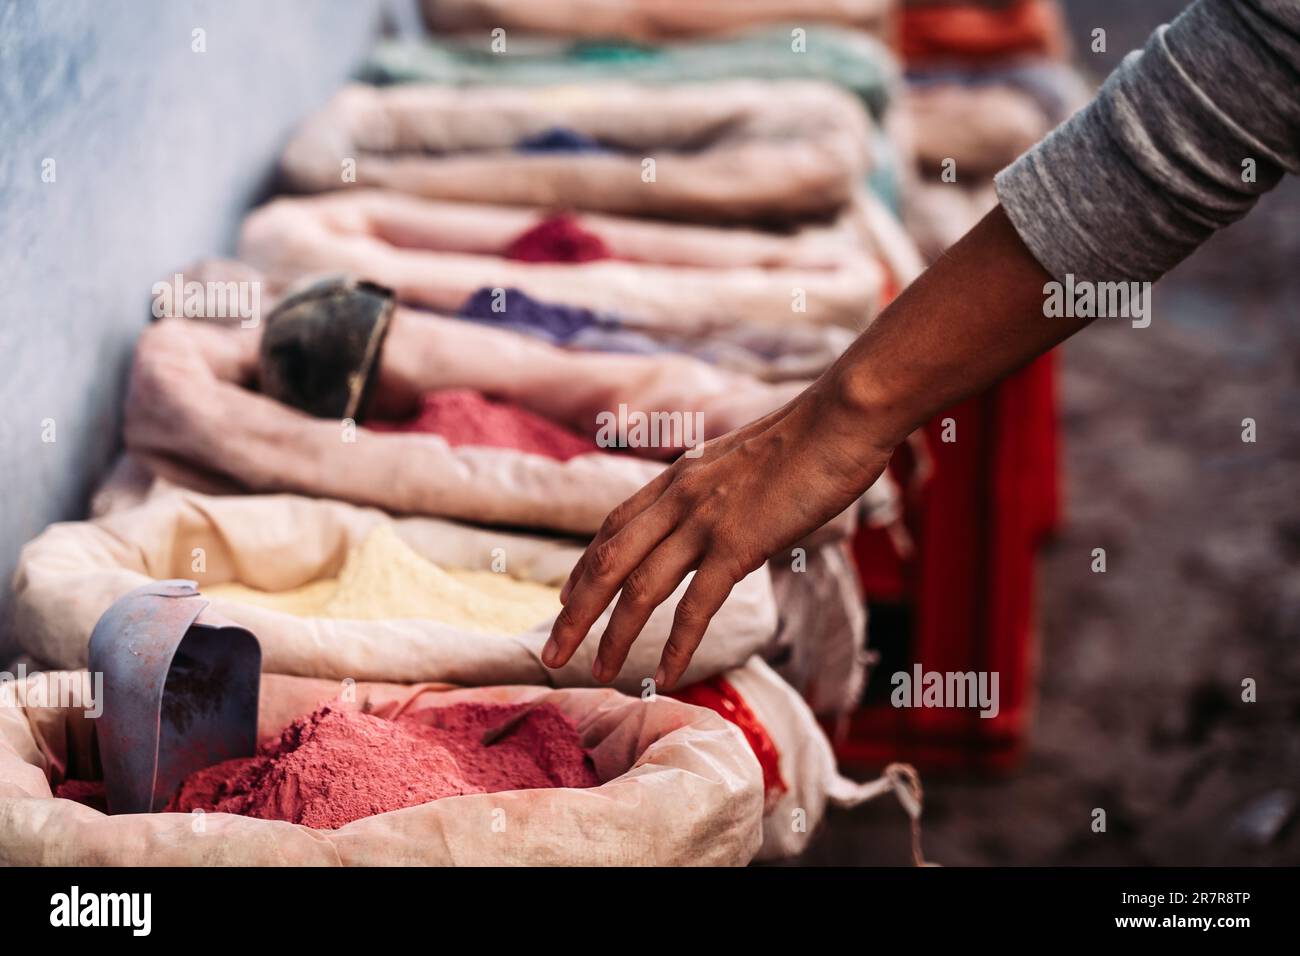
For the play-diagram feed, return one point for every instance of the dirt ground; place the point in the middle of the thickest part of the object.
(1140, 709)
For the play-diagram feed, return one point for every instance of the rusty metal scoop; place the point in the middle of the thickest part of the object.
(180, 692)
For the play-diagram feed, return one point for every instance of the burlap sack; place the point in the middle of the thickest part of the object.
(70, 574)
(809, 777)
(733, 151)
(680, 787)
(647, 20)
(684, 279)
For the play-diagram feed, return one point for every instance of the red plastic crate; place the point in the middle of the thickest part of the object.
(970, 585)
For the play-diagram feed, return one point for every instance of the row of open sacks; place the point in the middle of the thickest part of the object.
(732, 147)
(678, 785)
(793, 300)
(777, 304)
(737, 151)
(198, 414)
(983, 83)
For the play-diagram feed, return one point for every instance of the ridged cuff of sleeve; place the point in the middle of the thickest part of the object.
(1130, 185)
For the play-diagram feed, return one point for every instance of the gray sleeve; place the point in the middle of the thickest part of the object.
(1134, 182)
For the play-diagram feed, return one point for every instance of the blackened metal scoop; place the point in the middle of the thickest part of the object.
(320, 349)
(180, 692)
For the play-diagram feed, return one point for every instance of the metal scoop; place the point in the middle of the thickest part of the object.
(321, 346)
(180, 692)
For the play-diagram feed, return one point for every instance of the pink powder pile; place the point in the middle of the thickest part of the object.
(465, 417)
(335, 766)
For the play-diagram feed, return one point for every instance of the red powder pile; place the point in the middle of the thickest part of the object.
(335, 766)
(466, 417)
(88, 792)
(559, 238)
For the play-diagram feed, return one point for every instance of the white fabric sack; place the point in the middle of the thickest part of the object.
(710, 279)
(767, 352)
(405, 221)
(821, 639)
(980, 129)
(731, 150)
(648, 20)
(820, 643)
(192, 419)
(72, 572)
(680, 788)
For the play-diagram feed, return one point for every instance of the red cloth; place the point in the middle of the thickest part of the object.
(961, 31)
(994, 494)
(558, 238)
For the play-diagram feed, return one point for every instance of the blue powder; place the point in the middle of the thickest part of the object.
(555, 323)
(557, 139)
(568, 326)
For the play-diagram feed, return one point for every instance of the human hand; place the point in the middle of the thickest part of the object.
(721, 514)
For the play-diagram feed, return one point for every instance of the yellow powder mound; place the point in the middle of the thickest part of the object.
(384, 578)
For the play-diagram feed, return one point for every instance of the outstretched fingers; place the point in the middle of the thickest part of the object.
(649, 585)
(605, 566)
(704, 596)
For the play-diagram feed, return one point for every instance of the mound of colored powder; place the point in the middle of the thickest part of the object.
(88, 792)
(560, 139)
(465, 417)
(554, 322)
(559, 238)
(337, 765)
(384, 578)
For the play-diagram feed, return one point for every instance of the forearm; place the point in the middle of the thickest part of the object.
(972, 317)
(1122, 191)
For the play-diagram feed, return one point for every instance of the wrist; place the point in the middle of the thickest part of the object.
(863, 399)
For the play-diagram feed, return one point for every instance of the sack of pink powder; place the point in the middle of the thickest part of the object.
(666, 784)
(339, 764)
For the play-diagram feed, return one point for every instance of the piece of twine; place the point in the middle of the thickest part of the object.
(906, 783)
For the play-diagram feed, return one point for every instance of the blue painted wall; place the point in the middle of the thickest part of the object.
(157, 151)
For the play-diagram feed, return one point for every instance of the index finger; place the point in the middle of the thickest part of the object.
(615, 521)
